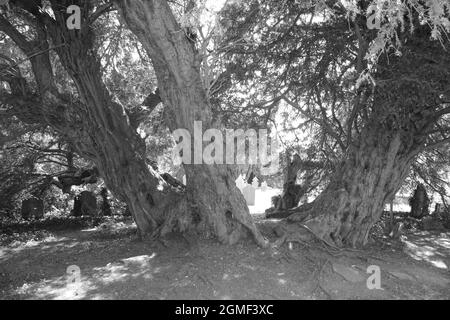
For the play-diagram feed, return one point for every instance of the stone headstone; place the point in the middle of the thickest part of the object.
(249, 195)
(85, 204)
(264, 186)
(255, 183)
(240, 183)
(32, 208)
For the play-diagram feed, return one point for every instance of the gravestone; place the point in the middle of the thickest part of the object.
(240, 183)
(264, 186)
(255, 183)
(32, 208)
(249, 195)
(85, 204)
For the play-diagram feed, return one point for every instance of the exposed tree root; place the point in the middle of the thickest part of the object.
(296, 232)
(251, 227)
(318, 285)
(299, 212)
(183, 217)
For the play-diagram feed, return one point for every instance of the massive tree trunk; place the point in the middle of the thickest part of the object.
(98, 128)
(115, 146)
(210, 188)
(351, 204)
(393, 127)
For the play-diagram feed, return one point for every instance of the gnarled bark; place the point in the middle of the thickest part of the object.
(118, 151)
(210, 188)
(394, 125)
(97, 127)
(346, 211)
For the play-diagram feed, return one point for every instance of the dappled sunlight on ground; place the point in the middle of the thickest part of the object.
(49, 243)
(116, 266)
(433, 248)
(96, 279)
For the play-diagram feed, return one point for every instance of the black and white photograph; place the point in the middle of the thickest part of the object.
(217, 158)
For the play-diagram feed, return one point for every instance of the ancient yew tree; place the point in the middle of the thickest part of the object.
(94, 124)
(210, 188)
(388, 127)
(375, 97)
(99, 128)
(374, 114)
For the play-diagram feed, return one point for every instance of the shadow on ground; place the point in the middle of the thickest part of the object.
(119, 267)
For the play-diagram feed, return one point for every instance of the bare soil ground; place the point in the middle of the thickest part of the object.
(114, 265)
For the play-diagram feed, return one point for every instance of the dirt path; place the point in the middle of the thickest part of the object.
(119, 267)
